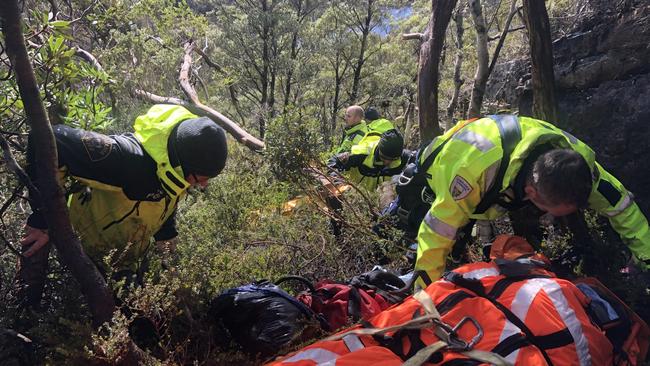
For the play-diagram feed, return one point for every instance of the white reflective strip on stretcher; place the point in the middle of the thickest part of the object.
(353, 342)
(480, 273)
(320, 356)
(522, 302)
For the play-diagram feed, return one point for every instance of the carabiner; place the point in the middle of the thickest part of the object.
(466, 346)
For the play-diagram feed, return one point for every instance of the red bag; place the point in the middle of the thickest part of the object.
(342, 304)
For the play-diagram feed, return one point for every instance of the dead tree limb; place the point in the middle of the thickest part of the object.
(160, 99)
(184, 76)
(409, 36)
(504, 33)
(195, 106)
(93, 286)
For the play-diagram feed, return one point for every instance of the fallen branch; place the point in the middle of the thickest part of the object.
(409, 36)
(195, 106)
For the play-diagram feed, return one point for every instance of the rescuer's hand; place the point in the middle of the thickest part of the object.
(35, 239)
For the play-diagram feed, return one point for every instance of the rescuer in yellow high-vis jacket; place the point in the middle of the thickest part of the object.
(126, 187)
(375, 122)
(545, 166)
(355, 129)
(374, 160)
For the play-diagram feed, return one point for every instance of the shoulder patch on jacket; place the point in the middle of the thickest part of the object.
(97, 146)
(460, 188)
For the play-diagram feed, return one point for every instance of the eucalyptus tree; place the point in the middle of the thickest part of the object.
(262, 44)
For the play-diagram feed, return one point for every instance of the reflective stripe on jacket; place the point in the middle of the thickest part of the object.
(466, 168)
(107, 219)
(527, 321)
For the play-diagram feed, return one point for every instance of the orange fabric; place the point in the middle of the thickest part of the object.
(546, 305)
(510, 247)
(374, 355)
(638, 341)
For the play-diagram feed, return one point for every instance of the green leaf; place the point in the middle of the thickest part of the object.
(60, 24)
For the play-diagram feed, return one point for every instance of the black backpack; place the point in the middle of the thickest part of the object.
(262, 318)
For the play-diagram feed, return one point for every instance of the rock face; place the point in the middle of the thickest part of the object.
(602, 71)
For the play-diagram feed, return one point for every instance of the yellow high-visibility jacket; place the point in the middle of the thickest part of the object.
(380, 125)
(130, 189)
(352, 136)
(466, 166)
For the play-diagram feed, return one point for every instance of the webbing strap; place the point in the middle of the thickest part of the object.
(530, 336)
(422, 169)
(484, 356)
(417, 323)
(423, 355)
(510, 132)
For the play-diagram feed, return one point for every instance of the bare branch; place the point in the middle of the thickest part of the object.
(209, 61)
(409, 36)
(198, 108)
(458, 80)
(13, 165)
(159, 41)
(88, 57)
(499, 36)
(184, 76)
(159, 99)
(502, 38)
(237, 132)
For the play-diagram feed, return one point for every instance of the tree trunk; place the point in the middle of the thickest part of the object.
(365, 31)
(289, 77)
(265, 74)
(458, 80)
(481, 76)
(409, 115)
(93, 286)
(541, 56)
(428, 73)
(338, 82)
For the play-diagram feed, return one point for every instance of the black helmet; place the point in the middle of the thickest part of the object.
(199, 146)
(371, 114)
(391, 144)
